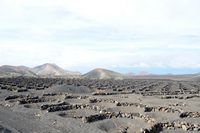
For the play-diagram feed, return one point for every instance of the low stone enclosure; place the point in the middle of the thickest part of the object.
(31, 92)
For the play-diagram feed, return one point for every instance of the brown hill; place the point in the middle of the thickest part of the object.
(14, 71)
(100, 73)
(52, 70)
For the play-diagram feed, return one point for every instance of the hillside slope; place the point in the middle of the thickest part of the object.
(13, 71)
(52, 70)
(100, 73)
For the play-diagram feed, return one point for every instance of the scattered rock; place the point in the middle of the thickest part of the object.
(190, 114)
(46, 106)
(148, 109)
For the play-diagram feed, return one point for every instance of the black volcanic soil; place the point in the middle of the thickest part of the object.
(42, 105)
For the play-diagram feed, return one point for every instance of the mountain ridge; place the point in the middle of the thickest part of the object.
(50, 70)
(10, 71)
(53, 70)
(44, 70)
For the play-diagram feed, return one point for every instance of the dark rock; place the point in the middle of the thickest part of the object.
(22, 90)
(94, 118)
(13, 97)
(46, 106)
(59, 108)
(148, 109)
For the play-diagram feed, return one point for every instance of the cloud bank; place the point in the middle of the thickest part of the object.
(112, 34)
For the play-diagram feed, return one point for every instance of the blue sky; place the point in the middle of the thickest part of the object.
(124, 35)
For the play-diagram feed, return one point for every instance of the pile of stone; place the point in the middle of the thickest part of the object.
(40, 88)
(172, 97)
(106, 115)
(108, 100)
(158, 127)
(139, 105)
(93, 118)
(180, 97)
(82, 97)
(94, 100)
(50, 94)
(190, 114)
(46, 106)
(13, 97)
(148, 109)
(192, 96)
(103, 93)
(167, 109)
(22, 90)
(29, 100)
(109, 115)
(66, 106)
(59, 108)
(71, 97)
(147, 118)
(126, 115)
(67, 96)
(12, 88)
(181, 125)
(4, 87)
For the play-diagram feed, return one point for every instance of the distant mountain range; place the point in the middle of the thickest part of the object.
(45, 70)
(52, 70)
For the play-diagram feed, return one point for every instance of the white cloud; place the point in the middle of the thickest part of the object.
(139, 16)
(70, 56)
(91, 33)
(155, 16)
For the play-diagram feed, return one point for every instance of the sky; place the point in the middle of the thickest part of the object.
(156, 36)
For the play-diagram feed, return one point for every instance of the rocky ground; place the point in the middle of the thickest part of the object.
(33, 105)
